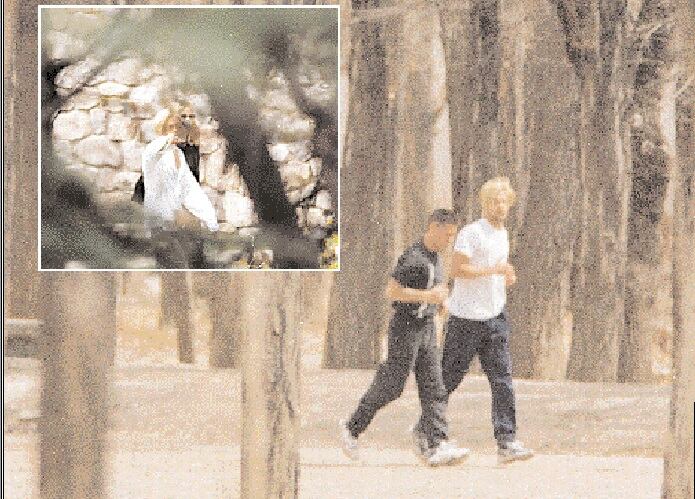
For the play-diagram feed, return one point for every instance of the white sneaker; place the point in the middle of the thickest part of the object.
(513, 451)
(446, 453)
(349, 443)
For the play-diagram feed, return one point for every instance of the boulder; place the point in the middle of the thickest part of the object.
(238, 210)
(72, 125)
(113, 89)
(98, 118)
(62, 149)
(127, 71)
(72, 76)
(98, 150)
(132, 155)
(120, 127)
(86, 99)
(286, 151)
(323, 200)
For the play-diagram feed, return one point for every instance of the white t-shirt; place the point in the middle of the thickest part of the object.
(481, 298)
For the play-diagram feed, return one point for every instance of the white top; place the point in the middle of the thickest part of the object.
(168, 188)
(481, 298)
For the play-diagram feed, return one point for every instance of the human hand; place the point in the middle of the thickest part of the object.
(438, 295)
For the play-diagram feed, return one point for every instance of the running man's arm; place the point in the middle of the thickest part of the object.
(462, 267)
(396, 292)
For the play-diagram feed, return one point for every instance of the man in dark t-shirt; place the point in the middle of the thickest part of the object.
(416, 291)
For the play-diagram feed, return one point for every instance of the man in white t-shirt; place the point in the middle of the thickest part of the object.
(478, 323)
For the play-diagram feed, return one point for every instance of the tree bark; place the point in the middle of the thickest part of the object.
(358, 305)
(270, 386)
(653, 153)
(176, 303)
(20, 172)
(225, 299)
(539, 302)
(595, 45)
(678, 462)
(78, 329)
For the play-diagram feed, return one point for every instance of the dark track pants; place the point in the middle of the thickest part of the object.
(412, 345)
(490, 341)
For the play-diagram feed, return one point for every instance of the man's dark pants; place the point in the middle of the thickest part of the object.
(412, 345)
(490, 341)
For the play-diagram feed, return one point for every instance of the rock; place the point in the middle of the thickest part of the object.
(62, 45)
(72, 76)
(132, 155)
(98, 119)
(279, 100)
(301, 216)
(295, 174)
(211, 167)
(147, 133)
(122, 181)
(298, 151)
(287, 128)
(72, 125)
(87, 99)
(323, 200)
(209, 145)
(113, 89)
(127, 71)
(120, 127)
(113, 104)
(238, 210)
(315, 217)
(144, 101)
(98, 150)
(62, 149)
(200, 104)
(315, 164)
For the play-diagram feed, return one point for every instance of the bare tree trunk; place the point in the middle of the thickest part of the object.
(270, 386)
(653, 156)
(595, 45)
(539, 302)
(74, 409)
(358, 306)
(177, 302)
(20, 172)
(678, 462)
(225, 298)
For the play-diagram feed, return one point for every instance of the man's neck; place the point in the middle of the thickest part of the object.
(497, 224)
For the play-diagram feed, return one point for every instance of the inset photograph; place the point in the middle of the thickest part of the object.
(189, 138)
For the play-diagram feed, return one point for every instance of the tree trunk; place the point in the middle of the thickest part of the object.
(78, 329)
(678, 462)
(225, 298)
(653, 153)
(358, 306)
(176, 302)
(270, 386)
(20, 172)
(539, 302)
(595, 45)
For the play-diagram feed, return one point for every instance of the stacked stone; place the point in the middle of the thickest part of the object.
(101, 131)
(290, 133)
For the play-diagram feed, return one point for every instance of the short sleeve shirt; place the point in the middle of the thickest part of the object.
(418, 268)
(484, 297)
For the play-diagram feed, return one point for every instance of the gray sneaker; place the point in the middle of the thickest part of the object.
(349, 443)
(513, 451)
(446, 453)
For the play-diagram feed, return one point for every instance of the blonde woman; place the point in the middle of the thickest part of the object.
(169, 184)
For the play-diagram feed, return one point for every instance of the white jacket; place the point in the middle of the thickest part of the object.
(168, 188)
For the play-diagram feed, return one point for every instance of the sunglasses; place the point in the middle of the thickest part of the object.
(184, 116)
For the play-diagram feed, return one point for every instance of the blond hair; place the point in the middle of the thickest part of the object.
(164, 117)
(495, 186)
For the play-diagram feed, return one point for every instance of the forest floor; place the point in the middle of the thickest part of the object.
(175, 433)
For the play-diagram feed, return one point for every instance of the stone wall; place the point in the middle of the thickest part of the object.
(102, 129)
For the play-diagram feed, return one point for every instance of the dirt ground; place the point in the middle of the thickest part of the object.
(175, 433)
(175, 429)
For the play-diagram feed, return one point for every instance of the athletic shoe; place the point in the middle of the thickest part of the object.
(349, 443)
(446, 453)
(420, 446)
(513, 451)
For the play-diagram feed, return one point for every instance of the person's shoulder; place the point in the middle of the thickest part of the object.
(155, 146)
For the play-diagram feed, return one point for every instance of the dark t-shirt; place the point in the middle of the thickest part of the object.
(418, 268)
